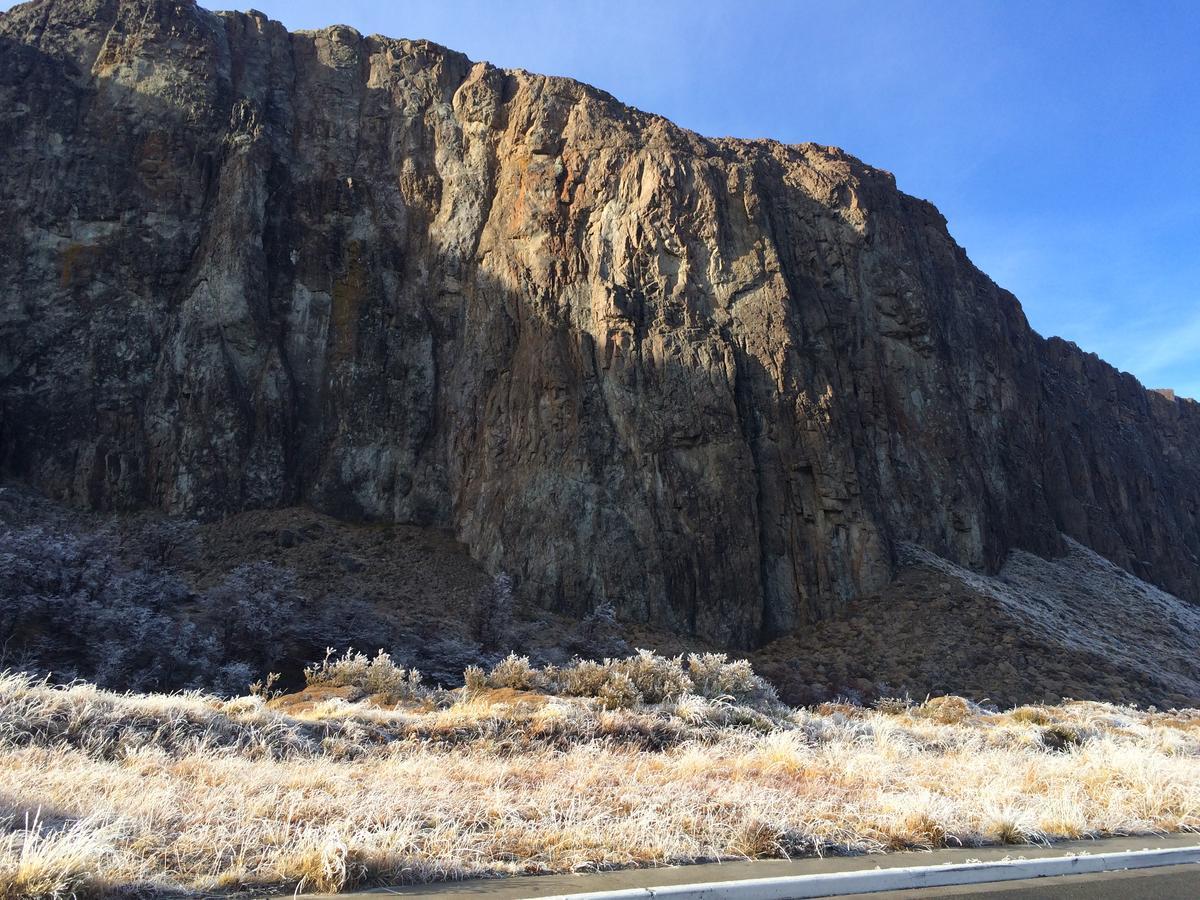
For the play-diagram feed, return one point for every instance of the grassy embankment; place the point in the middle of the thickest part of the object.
(370, 778)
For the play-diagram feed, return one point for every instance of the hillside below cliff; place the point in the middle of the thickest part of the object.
(723, 386)
(144, 602)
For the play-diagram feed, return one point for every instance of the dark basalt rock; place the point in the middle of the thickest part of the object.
(715, 383)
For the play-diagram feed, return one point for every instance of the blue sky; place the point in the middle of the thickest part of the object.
(1060, 139)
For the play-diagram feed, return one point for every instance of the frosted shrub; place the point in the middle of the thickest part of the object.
(619, 692)
(258, 603)
(512, 672)
(378, 676)
(474, 679)
(583, 678)
(599, 635)
(893, 706)
(949, 710)
(645, 678)
(656, 677)
(69, 604)
(716, 677)
(653, 678)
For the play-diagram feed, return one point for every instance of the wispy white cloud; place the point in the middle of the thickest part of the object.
(1162, 352)
(1123, 287)
(1171, 346)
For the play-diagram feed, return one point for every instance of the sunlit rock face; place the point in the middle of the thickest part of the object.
(714, 382)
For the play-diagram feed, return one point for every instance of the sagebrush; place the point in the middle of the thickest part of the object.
(644, 678)
(379, 677)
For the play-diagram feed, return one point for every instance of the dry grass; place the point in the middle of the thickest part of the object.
(36, 861)
(194, 793)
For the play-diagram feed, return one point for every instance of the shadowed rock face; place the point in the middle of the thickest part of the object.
(714, 382)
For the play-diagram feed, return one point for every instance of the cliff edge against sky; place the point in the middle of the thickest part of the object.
(720, 384)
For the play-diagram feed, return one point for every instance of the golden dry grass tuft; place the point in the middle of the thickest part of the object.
(191, 793)
(39, 861)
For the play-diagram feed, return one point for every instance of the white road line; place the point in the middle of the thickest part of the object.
(834, 884)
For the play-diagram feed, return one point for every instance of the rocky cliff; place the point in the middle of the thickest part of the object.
(717, 383)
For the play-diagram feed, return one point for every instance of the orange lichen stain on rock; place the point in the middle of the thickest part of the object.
(517, 213)
(112, 56)
(348, 293)
(567, 177)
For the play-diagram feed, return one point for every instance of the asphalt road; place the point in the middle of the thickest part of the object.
(1167, 883)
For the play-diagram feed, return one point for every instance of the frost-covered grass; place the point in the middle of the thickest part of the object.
(65, 861)
(194, 793)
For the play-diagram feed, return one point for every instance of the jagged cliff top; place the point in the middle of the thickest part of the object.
(646, 125)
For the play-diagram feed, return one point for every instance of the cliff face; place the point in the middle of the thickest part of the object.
(717, 383)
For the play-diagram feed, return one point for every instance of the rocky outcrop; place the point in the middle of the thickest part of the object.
(716, 383)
